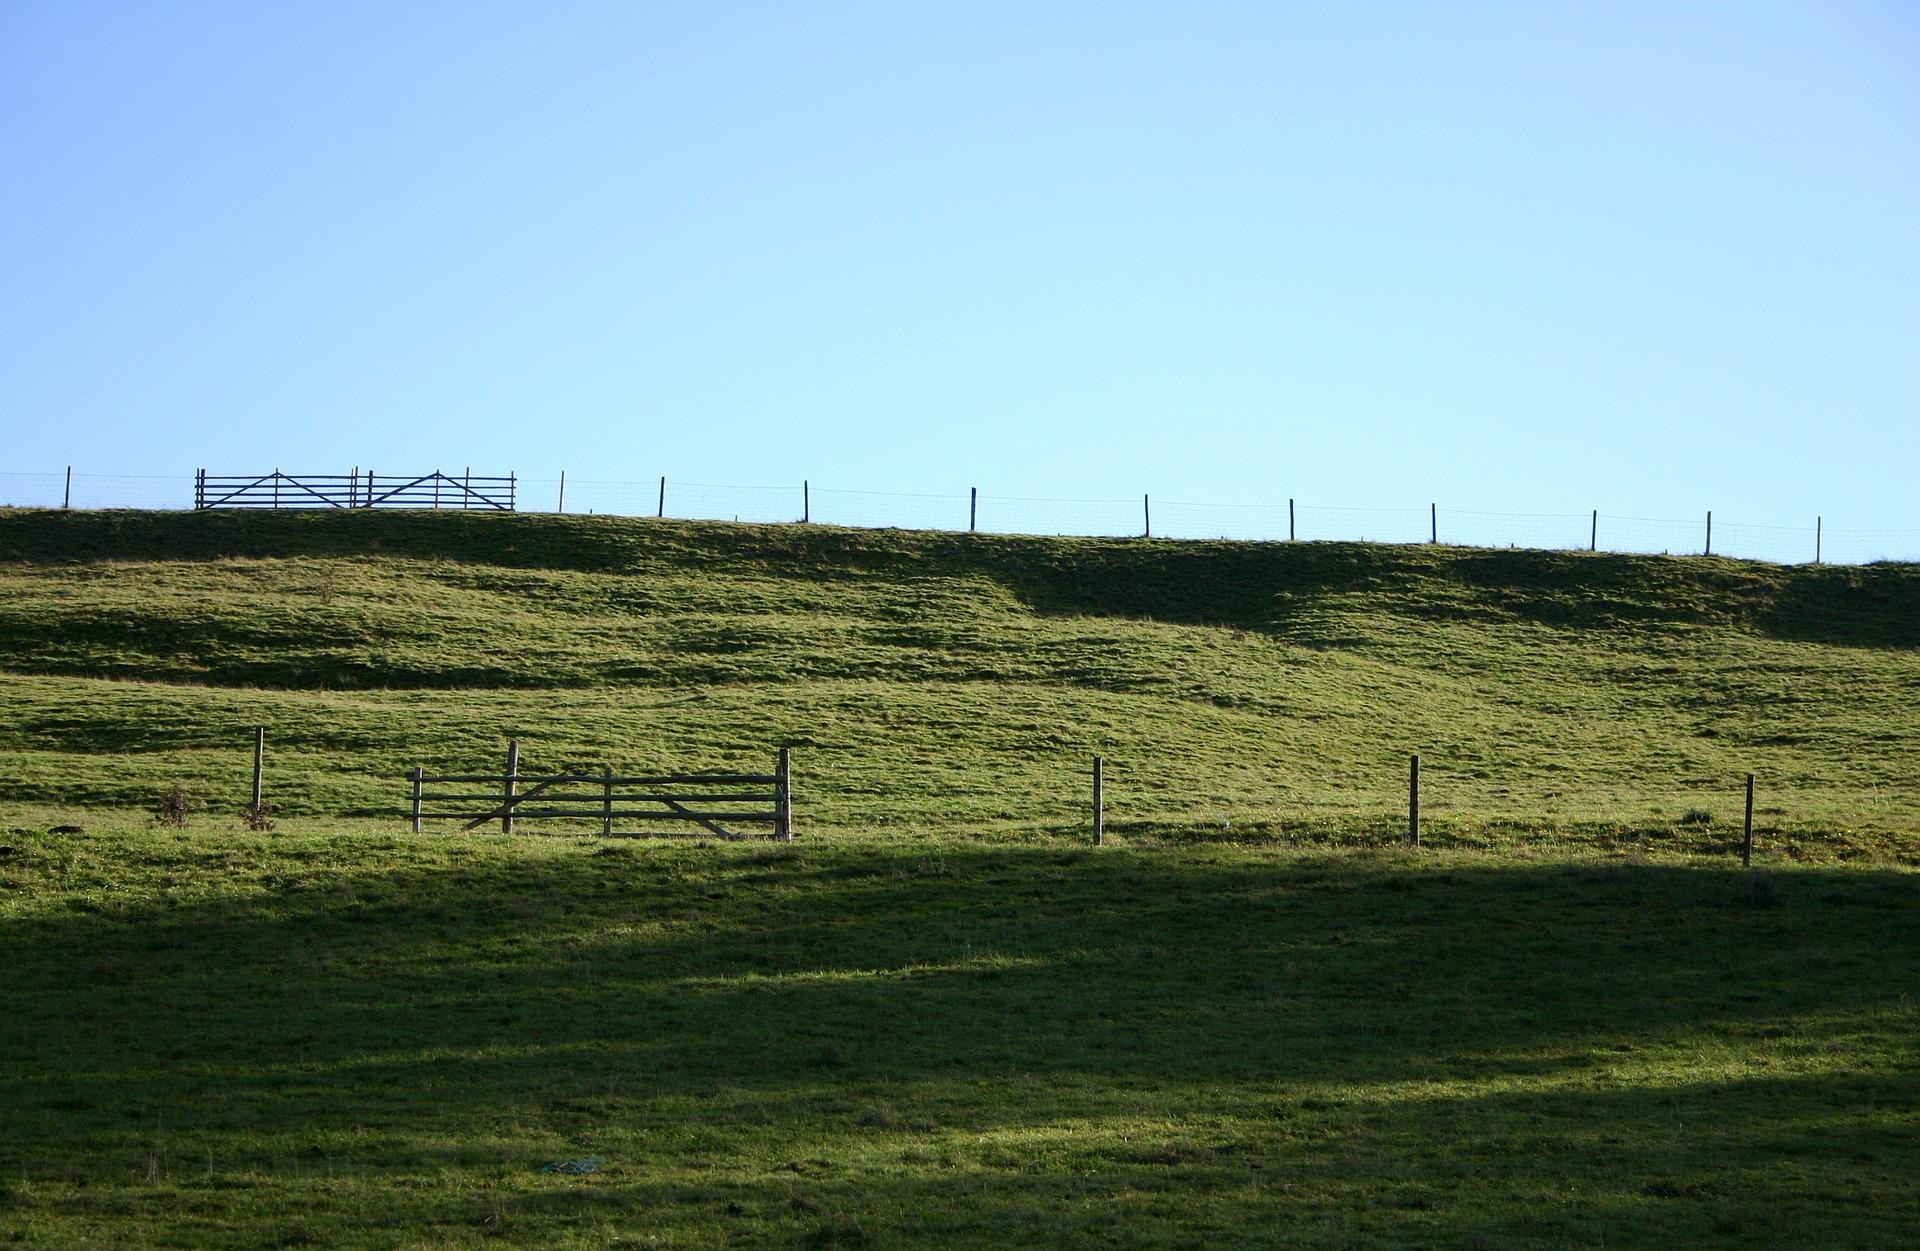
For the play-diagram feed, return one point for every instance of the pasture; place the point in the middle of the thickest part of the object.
(941, 1017)
(219, 1039)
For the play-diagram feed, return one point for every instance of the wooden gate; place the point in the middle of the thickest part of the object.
(689, 802)
(354, 490)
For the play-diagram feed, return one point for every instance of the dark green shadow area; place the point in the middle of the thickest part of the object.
(375, 1042)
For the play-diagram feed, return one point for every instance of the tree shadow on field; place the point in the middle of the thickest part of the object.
(732, 1025)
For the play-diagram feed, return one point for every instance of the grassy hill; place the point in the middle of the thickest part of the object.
(961, 682)
(941, 1018)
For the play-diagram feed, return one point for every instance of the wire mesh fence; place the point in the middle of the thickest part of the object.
(73, 490)
(1287, 520)
(881, 509)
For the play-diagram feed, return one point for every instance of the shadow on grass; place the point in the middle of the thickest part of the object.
(971, 1044)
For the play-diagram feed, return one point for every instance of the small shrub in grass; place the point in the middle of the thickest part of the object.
(882, 1116)
(1696, 816)
(258, 816)
(174, 809)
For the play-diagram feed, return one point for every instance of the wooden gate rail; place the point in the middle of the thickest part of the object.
(354, 490)
(702, 799)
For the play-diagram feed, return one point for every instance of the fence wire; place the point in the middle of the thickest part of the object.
(1101, 518)
(881, 509)
(1008, 514)
(58, 490)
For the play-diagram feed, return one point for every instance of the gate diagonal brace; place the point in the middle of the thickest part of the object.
(683, 810)
(507, 808)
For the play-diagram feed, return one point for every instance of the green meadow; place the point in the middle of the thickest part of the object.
(942, 1017)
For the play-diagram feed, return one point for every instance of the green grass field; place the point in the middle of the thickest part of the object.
(360, 1040)
(962, 683)
(942, 1018)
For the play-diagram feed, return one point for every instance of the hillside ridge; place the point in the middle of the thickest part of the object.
(1244, 584)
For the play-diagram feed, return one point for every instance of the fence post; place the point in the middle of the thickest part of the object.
(276, 488)
(466, 488)
(68, 501)
(1709, 532)
(1146, 512)
(663, 497)
(1593, 539)
(199, 488)
(973, 509)
(1433, 520)
(1413, 803)
(1746, 841)
(259, 761)
(1289, 521)
(1099, 798)
(806, 501)
(513, 491)
(513, 773)
(1816, 537)
(561, 507)
(783, 796)
(606, 801)
(418, 772)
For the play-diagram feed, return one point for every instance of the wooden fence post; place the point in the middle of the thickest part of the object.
(1746, 842)
(1433, 519)
(418, 774)
(466, 489)
(783, 796)
(1413, 803)
(1146, 513)
(68, 501)
(1817, 522)
(1099, 799)
(1593, 537)
(606, 802)
(199, 488)
(1289, 521)
(259, 761)
(1709, 532)
(806, 501)
(561, 507)
(973, 509)
(513, 773)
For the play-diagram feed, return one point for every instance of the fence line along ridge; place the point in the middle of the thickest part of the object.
(971, 510)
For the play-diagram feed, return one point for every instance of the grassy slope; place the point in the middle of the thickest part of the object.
(961, 682)
(216, 1040)
(940, 1019)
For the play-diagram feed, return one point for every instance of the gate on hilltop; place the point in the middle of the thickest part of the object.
(354, 490)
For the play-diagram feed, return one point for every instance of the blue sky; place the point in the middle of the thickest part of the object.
(1531, 257)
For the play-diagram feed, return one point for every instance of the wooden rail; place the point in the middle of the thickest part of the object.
(704, 800)
(354, 490)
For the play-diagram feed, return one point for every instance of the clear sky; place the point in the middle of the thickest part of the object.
(1539, 257)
